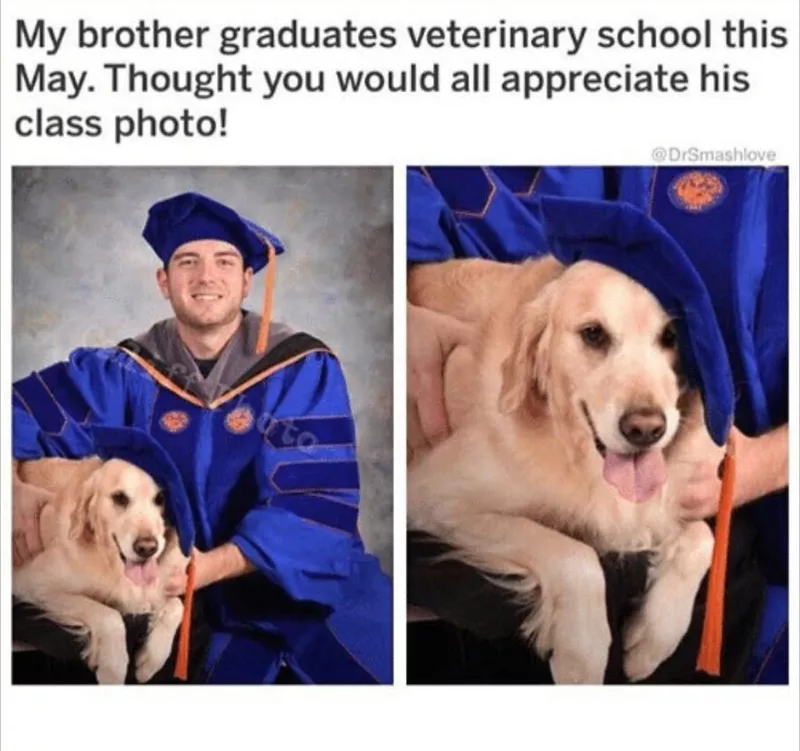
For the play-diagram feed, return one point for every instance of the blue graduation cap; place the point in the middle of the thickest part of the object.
(140, 449)
(191, 216)
(623, 237)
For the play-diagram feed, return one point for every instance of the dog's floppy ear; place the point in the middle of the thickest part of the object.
(527, 367)
(82, 520)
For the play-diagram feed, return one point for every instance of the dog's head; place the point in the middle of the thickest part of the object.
(121, 508)
(599, 350)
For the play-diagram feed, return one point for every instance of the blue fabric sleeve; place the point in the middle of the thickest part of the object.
(302, 533)
(490, 212)
(431, 232)
(54, 407)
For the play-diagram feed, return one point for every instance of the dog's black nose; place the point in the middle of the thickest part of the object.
(643, 427)
(145, 547)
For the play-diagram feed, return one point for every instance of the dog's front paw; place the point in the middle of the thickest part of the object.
(112, 672)
(152, 656)
(576, 636)
(570, 622)
(148, 663)
(106, 653)
(654, 632)
(580, 645)
(158, 646)
(570, 666)
(108, 658)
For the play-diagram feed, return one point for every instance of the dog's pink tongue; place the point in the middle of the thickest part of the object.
(636, 477)
(142, 573)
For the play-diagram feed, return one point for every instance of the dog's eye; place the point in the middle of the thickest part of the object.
(120, 499)
(159, 499)
(668, 338)
(595, 336)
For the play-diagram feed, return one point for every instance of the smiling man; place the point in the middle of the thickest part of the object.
(257, 419)
(205, 286)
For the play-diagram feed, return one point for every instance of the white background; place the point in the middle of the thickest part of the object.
(331, 129)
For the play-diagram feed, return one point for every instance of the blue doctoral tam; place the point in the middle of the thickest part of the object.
(625, 238)
(192, 216)
(140, 449)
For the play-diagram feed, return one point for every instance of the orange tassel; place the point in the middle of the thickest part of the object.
(266, 311)
(709, 659)
(182, 661)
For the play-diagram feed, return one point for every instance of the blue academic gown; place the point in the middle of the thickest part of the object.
(731, 222)
(270, 465)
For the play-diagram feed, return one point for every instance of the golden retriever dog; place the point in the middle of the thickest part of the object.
(572, 436)
(108, 552)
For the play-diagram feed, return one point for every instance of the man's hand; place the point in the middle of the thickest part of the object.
(178, 578)
(175, 585)
(224, 562)
(431, 338)
(761, 468)
(28, 503)
(701, 497)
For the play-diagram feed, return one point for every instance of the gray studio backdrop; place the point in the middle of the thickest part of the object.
(83, 276)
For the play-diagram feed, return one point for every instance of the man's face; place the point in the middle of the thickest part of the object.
(206, 283)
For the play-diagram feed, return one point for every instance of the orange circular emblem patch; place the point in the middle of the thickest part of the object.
(698, 191)
(174, 421)
(239, 420)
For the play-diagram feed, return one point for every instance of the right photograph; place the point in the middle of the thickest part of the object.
(597, 425)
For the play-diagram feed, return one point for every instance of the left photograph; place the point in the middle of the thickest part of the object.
(202, 425)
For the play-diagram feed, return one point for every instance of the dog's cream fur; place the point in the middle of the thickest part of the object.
(518, 488)
(79, 578)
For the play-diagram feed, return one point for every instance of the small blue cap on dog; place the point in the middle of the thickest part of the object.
(191, 216)
(140, 449)
(621, 236)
